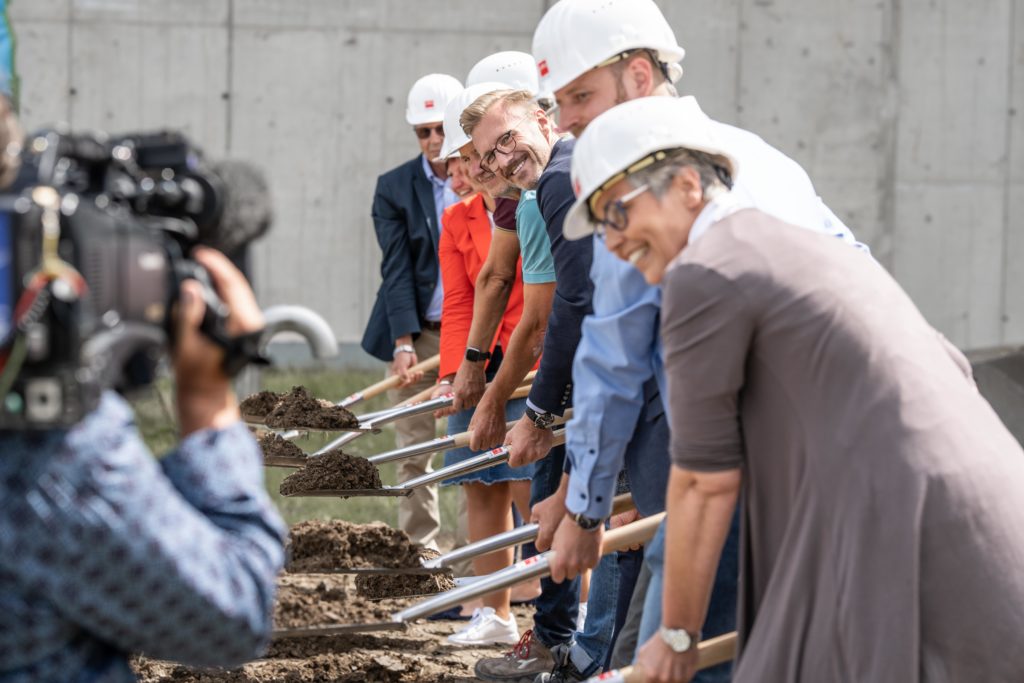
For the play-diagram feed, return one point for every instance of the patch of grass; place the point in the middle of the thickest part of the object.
(155, 419)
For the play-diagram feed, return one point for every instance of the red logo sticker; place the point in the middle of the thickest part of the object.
(498, 451)
(542, 65)
(429, 104)
(576, 186)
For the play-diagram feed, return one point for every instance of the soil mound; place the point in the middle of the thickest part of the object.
(317, 545)
(333, 470)
(378, 586)
(275, 447)
(322, 605)
(259, 405)
(298, 409)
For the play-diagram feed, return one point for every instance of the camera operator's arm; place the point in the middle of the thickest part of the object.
(176, 559)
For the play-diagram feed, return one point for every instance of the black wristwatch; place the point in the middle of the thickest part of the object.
(540, 420)
(586, 523)
(476, 355)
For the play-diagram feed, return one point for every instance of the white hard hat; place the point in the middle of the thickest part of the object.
(429, 96)
(516, 70)
(454, 137)
(575, 36)
(622, 138)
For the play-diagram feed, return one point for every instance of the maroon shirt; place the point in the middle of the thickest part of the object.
(505, 213)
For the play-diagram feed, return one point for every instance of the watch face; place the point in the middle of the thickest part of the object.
(677, 639)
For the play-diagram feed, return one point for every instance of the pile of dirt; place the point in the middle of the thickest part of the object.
(276, 448)
(259, 405)
(298, 409)
(326, 603)
(333, 471)
(376, 586)
(420, 654)
(316, 545)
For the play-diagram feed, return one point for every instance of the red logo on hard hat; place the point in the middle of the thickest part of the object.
(576, 187)
(429, 104)
(542, 65)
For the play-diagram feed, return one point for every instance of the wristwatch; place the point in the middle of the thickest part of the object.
(476, 355)
(586, 523)
(540, 420)
(678, 639)
(403, 348)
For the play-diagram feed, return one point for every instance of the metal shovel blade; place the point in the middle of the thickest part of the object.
(337, 629)
(380, 570)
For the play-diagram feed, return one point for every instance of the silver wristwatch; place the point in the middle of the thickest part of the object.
(678, 639)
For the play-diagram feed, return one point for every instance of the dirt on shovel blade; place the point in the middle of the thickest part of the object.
(316, 545)
(273, 446)
(381, 586)
(332, 471)
(259, 404)
(298, 409)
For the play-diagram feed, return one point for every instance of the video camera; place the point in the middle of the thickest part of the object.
(95, 236)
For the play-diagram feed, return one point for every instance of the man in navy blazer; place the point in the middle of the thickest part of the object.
(405, 324)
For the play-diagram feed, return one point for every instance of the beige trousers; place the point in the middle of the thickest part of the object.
(418, 515)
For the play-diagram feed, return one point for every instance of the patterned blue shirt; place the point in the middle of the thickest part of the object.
(444, 197)
(106, 551)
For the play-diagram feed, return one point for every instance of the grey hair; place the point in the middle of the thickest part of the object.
(712, 169)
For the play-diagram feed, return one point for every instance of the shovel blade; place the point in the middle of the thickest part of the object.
(349, 493)
(337, 629)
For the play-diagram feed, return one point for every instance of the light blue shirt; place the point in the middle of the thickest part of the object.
(621, 346)
(534, 243)
(443, 198)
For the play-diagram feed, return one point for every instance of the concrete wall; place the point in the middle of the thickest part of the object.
(908, 114)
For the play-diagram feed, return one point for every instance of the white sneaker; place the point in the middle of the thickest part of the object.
(486, 628)
(581, 617)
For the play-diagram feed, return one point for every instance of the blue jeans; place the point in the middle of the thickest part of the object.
(721, 617)
(558, 603)
(591, 647)
(647, 460)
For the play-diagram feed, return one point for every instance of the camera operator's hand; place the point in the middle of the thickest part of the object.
(205, 397)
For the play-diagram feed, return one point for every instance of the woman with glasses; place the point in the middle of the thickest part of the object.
(881, 531)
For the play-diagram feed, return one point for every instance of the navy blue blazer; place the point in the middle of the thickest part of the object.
(404, 219)
(574, 290)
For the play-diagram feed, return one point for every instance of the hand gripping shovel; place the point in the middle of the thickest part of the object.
(507, 539)
(710, 652)
(391, 382)
(443, 443)
(474, 464)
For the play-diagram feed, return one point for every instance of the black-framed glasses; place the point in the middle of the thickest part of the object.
(506, 145)
(424, 132)
(616, 214)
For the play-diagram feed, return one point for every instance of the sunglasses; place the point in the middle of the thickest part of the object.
(424, 132)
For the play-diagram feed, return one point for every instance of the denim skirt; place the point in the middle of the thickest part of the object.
(459, 422)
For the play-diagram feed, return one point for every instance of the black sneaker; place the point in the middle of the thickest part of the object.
(523, 662)
(564, 670)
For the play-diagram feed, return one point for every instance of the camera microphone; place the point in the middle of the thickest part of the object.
(246, 211)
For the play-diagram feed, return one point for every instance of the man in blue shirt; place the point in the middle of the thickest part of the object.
(105, 551)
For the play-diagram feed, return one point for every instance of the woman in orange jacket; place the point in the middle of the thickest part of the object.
(490, 493)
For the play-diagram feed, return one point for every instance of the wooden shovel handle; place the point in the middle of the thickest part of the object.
(629, 535)
(709, 653)
(425, 394)
(393, 381)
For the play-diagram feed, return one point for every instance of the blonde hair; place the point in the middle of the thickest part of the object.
(474, 113)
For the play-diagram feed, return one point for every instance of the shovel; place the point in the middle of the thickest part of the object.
(537, 566)
(507, 539)
(617, 539)
(389, 383)
(475, 464)
(420, 408)
(711, 652)
(443, 443)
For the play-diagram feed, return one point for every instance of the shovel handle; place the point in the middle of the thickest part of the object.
(711, 652)
(391, 382)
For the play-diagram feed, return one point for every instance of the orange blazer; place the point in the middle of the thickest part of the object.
(465, 241)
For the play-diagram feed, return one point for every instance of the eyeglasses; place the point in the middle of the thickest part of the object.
(424, 132)
(616, 215)
(506, 145)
